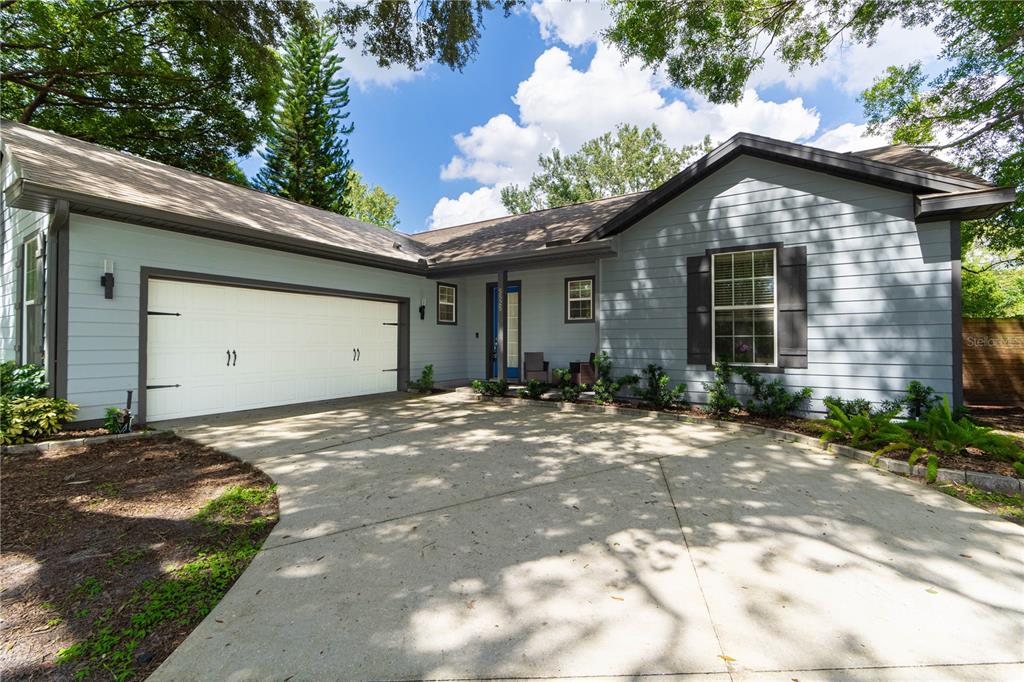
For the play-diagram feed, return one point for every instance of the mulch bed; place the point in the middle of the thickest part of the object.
(1003, 417)
(83, 527)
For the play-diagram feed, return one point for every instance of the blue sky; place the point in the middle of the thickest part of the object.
(445, 142)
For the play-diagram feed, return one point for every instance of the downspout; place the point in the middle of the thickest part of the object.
(57, 299)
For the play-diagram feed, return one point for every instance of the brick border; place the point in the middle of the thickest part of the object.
(47, 445)
(984, 481)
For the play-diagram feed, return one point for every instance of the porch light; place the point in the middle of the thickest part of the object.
(107, 280)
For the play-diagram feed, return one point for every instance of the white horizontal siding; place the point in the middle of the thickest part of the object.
(879, 286)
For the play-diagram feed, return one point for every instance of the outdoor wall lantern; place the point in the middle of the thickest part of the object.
(107, 279)
(423, 308)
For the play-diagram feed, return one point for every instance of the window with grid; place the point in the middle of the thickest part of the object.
(579, 302)
(743, 310)
(446, 303)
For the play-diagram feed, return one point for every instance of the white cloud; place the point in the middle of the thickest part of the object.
(854, 66)
(497, 151)
(365, 73)
(561, 106)
(848, 137)
(574, 24)
(468, 207)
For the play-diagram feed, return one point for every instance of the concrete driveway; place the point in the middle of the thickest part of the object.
(441, 539)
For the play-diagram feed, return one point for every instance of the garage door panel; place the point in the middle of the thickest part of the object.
(287, 348)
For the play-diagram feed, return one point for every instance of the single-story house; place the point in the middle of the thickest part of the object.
(836, 271)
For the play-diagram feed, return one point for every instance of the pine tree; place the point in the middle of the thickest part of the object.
(307, 158)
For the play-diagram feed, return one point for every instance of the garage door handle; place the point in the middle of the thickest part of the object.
(229, 358)
(353, 355)
(234, 358)
(359, 353)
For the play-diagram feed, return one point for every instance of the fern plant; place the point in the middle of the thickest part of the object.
(941, 431)
(863, 430)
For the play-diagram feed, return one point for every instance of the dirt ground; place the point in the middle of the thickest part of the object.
(84, 527)
(1003, 417)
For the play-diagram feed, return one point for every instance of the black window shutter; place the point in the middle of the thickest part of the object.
(698, 310)
(793, 307)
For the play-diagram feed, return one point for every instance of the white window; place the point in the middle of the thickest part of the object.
(32, 302)
(446, 303)
(743, 311)
(579, 299)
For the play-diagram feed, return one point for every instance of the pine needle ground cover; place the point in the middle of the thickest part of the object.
(114, 552)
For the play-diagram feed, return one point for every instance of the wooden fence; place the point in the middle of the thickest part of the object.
(994, 361)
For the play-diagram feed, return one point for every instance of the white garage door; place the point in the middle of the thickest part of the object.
(217, 349)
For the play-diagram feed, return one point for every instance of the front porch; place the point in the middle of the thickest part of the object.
(509, 313)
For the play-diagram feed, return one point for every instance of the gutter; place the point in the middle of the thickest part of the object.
(562, 254)
(969, 205)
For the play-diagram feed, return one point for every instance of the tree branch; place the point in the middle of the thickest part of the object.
(1008, 261)
(41, 95)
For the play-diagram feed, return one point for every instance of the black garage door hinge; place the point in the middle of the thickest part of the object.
(157, 312)
(390, 324)
(163, 386)
(390, 370)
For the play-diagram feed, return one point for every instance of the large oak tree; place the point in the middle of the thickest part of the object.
(191, 84)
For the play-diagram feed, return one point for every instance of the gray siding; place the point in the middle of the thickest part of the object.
(17, 224)
(879, 286)
(103, 335)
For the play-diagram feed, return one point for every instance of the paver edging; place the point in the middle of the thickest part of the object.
(984, 481)
(47, 445)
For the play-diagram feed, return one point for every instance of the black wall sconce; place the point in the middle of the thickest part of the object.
(107, 279)
(423, 312)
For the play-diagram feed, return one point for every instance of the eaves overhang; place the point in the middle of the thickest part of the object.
(580, 252)
(38, 197)
(966, 205)
(821, 160)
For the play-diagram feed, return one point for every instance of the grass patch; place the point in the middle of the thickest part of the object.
(185, 596)
(1008, 506)
(126, 556)
(234, 503)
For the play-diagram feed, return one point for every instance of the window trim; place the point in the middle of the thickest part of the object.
(593, 300)
(774, 248)
(455, 304)
(21, 290)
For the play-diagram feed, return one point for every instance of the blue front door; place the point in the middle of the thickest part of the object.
(512, 293)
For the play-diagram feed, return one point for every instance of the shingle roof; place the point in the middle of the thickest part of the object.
(524, 232)
(88, 171)
(70, 164)
(908, 156)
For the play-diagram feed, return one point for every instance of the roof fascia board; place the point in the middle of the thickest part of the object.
(33, 194)
(571, 253)
(811, 158)
(975, 204)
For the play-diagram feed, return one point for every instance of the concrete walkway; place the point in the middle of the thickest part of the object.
(440, 539)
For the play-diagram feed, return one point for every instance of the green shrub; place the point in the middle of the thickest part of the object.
(940, 431)
(26, 420)
(22, 381)
(854, 406)
(864, 430)
(562, 376)
(655, 390)
(720, 401)
(605, 388)
(425, 384)
(534, 389)
(117, 420)
(915, 402)
(492, 387)
(771, 398)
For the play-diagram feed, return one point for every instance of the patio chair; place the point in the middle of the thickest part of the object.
(584, 372)
(536, 367)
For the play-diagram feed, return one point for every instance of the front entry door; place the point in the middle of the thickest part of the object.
(512, 332)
